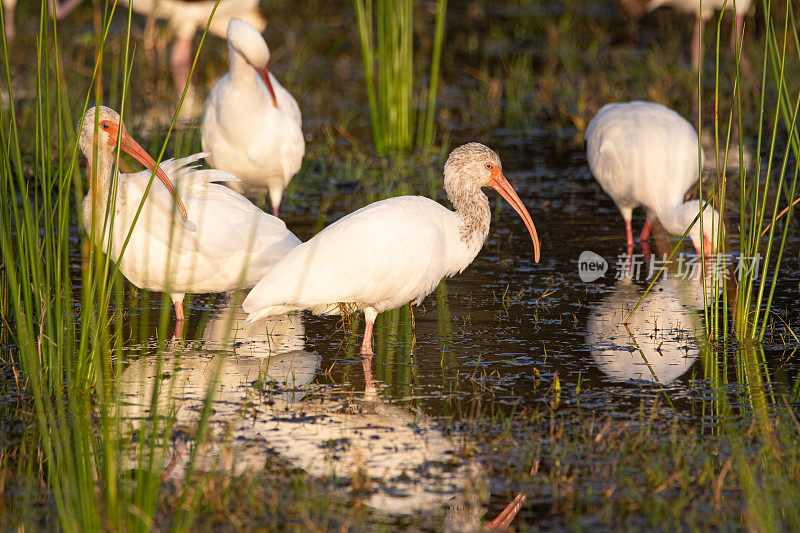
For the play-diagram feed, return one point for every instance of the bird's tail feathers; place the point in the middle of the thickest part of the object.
(269, 311)
(187, 176)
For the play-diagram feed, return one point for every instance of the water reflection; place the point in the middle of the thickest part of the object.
(393, 457)
(658, 344)
(225, 329)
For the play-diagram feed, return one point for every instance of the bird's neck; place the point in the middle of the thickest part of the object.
(472, 209)
(99, 180)
(673, 219)
(243, 74)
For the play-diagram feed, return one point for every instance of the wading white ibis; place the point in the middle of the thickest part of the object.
(703, 10)
(251, 124)
(185, 18)
(200, 238)
(644, 154)
(390, 252)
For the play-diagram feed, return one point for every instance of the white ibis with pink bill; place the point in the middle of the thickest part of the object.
(390, 252)
(644, 154)
(192, 235)
(251, 124)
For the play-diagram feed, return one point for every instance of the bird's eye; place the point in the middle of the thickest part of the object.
(489, 166)
(104, 125)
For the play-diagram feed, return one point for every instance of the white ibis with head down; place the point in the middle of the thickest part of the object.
(251, 124)
(200, 238)
(390, 252)
(644, 154)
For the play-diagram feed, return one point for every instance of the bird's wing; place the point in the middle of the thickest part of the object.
(385, 249)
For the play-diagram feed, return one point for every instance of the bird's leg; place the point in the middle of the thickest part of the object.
(10, 26)
(413, 326)
(275, 195)
(629, 234)
(369, 316)
(178, 329)
(366, 364)
(646, 251)
(697, 45)
(177, 299)
(645, 235)
(180, 61)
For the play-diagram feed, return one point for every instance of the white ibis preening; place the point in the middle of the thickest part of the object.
(644, 154)
(703, 10)
(251, 124)
(390, 252)
(216, 241)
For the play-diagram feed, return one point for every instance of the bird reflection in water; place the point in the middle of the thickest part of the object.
(405, 461)
(658, 344)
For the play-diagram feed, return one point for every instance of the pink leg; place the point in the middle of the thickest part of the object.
(180, 61)
(645, 231)
(369, 316)
(697, 46)
(179, 310)
(366, 363)
(275, 210)
(646, 251)
(629, 233)
(178, 330)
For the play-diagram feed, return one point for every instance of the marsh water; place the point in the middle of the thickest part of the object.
(505, 350)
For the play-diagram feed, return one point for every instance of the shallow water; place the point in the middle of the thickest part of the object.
(498, 334)
(487, 345)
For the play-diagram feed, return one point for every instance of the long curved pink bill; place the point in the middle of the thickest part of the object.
(137, 152)
(499, 183)
(264, 72)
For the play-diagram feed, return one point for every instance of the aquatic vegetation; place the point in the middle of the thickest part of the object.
(387, 50)
(491, 371)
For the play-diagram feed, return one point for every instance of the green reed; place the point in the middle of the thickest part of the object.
(761, 256)
(387, 50)
(70, 341)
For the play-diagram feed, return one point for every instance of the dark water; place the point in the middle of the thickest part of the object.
(495, 336)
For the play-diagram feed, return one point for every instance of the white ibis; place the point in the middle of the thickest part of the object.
(703, 10)
(390, 252)
(185, 18)
(251, 124)
(218, 241)
(644, 154)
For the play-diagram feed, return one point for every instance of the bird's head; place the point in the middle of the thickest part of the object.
(246, 41)
(102, 127)
(474, 165)
(712, 227)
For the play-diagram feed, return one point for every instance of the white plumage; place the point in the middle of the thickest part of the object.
(659, 343)
(390, 252)
(251, 124)
(644, 154)
(224, 243)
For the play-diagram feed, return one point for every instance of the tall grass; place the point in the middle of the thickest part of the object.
(387, 49)
(70, 347)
